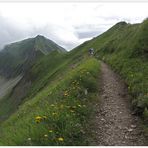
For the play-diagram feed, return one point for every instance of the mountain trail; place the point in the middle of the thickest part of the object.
(114, 123)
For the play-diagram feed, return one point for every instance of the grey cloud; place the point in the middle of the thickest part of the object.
(49, 31)
(9, 32)
(88, 34)
(114, 19)
(88, 31)
(69, 45)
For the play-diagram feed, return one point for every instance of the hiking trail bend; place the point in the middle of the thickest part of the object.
(114, 122)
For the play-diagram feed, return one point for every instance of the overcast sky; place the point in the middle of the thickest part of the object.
(68, 24)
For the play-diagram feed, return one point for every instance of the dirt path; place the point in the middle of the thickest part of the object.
(114, 122)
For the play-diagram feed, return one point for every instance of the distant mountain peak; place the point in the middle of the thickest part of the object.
(25, 52)
(39, 36)
(122, 23)
(46, 45)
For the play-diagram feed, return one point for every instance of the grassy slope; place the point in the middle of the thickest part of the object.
(36, 77)
(58, 96)
(42, 73)
(60, 104)
(125, 48)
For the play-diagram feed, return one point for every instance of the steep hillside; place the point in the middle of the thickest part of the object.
(31, 83)
(125, 48)
(16, 61)
(64, 88)
(58, 105)
(17, 57)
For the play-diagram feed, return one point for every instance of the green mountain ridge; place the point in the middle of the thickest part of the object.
(17, 57)
(38, 43)
(126, 50)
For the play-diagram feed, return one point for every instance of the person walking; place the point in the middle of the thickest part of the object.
(91, 51)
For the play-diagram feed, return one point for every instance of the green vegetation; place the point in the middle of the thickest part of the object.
(17, 58)
(125, 48)
(44, 72)
(57, 115)
(57, 103)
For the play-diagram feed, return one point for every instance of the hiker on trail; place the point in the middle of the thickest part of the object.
(91, 51)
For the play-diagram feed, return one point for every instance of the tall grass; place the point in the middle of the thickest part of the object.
(125, 48)
(58, 114)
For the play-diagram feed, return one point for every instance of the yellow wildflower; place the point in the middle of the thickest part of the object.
(50, 131)
(45, 136)
(54, 114)
(66, 93)
(29, 139)
(44, 117)
(60, 139)
(38, 119)
(79, 105)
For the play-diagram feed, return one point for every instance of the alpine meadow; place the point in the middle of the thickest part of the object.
(53, 97)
